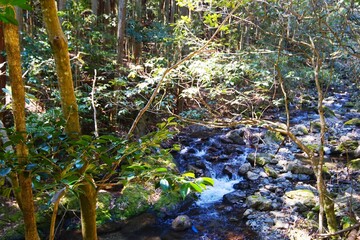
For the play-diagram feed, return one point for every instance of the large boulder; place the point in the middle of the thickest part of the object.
(234, 136)
(300, 168)
(259, 202)
(304, 199)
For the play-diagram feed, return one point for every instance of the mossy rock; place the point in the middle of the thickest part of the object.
(274, 136)
(270, 171)
(166, 201)
(299, 168)
(354, 121)
(349, 104)
(259, 202)
(259, 159)
(132, 202)
(348, 146)
(301, 196)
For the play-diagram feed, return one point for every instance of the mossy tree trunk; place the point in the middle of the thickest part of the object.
(58, 42)
(325, 202)
(22, 179)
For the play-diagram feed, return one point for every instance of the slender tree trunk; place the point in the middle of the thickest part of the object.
(19, 17)
(2, 70)
(121, 30)
(137, 44)
(59, 46)
(325, 202)
(25, 198)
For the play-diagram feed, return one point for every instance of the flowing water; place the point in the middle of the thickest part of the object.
(211, 218)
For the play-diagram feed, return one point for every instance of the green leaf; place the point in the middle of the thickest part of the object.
(161, 170)
(196, 187)
(70, 180)
(189, 174)
(31, 166)
(5, 2)
(8, 19)
(184, 190)
(207, 181)
(4, 172)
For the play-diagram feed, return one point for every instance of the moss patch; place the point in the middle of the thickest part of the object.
(133, 201)
(355, 164)
(348, 146)
(354, 121)
(270, 172)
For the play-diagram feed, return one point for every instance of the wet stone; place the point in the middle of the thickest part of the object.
(244, 168)
(181, 223)
(252, 176)
(234, 197)
(243, 185)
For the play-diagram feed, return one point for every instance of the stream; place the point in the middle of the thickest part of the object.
(263, 189)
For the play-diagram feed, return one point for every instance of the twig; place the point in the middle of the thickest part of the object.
(56, 200)
(156, 90)
(326, 235)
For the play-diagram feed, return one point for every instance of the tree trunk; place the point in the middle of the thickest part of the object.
(95, 6)
(61, 5)
(25, 198)
(59, 46)
(2, 71)
(325, 202)
(121, 30)
(19, 17)
(136, 43)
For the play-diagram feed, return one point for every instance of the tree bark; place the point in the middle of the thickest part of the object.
(137, 43)
(25, 198)
(2, 70)
(121, 30)
(95, 6)
(59, 46)
(325, 202)
(61, 5)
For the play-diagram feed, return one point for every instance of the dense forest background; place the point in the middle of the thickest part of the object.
(139, 71)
